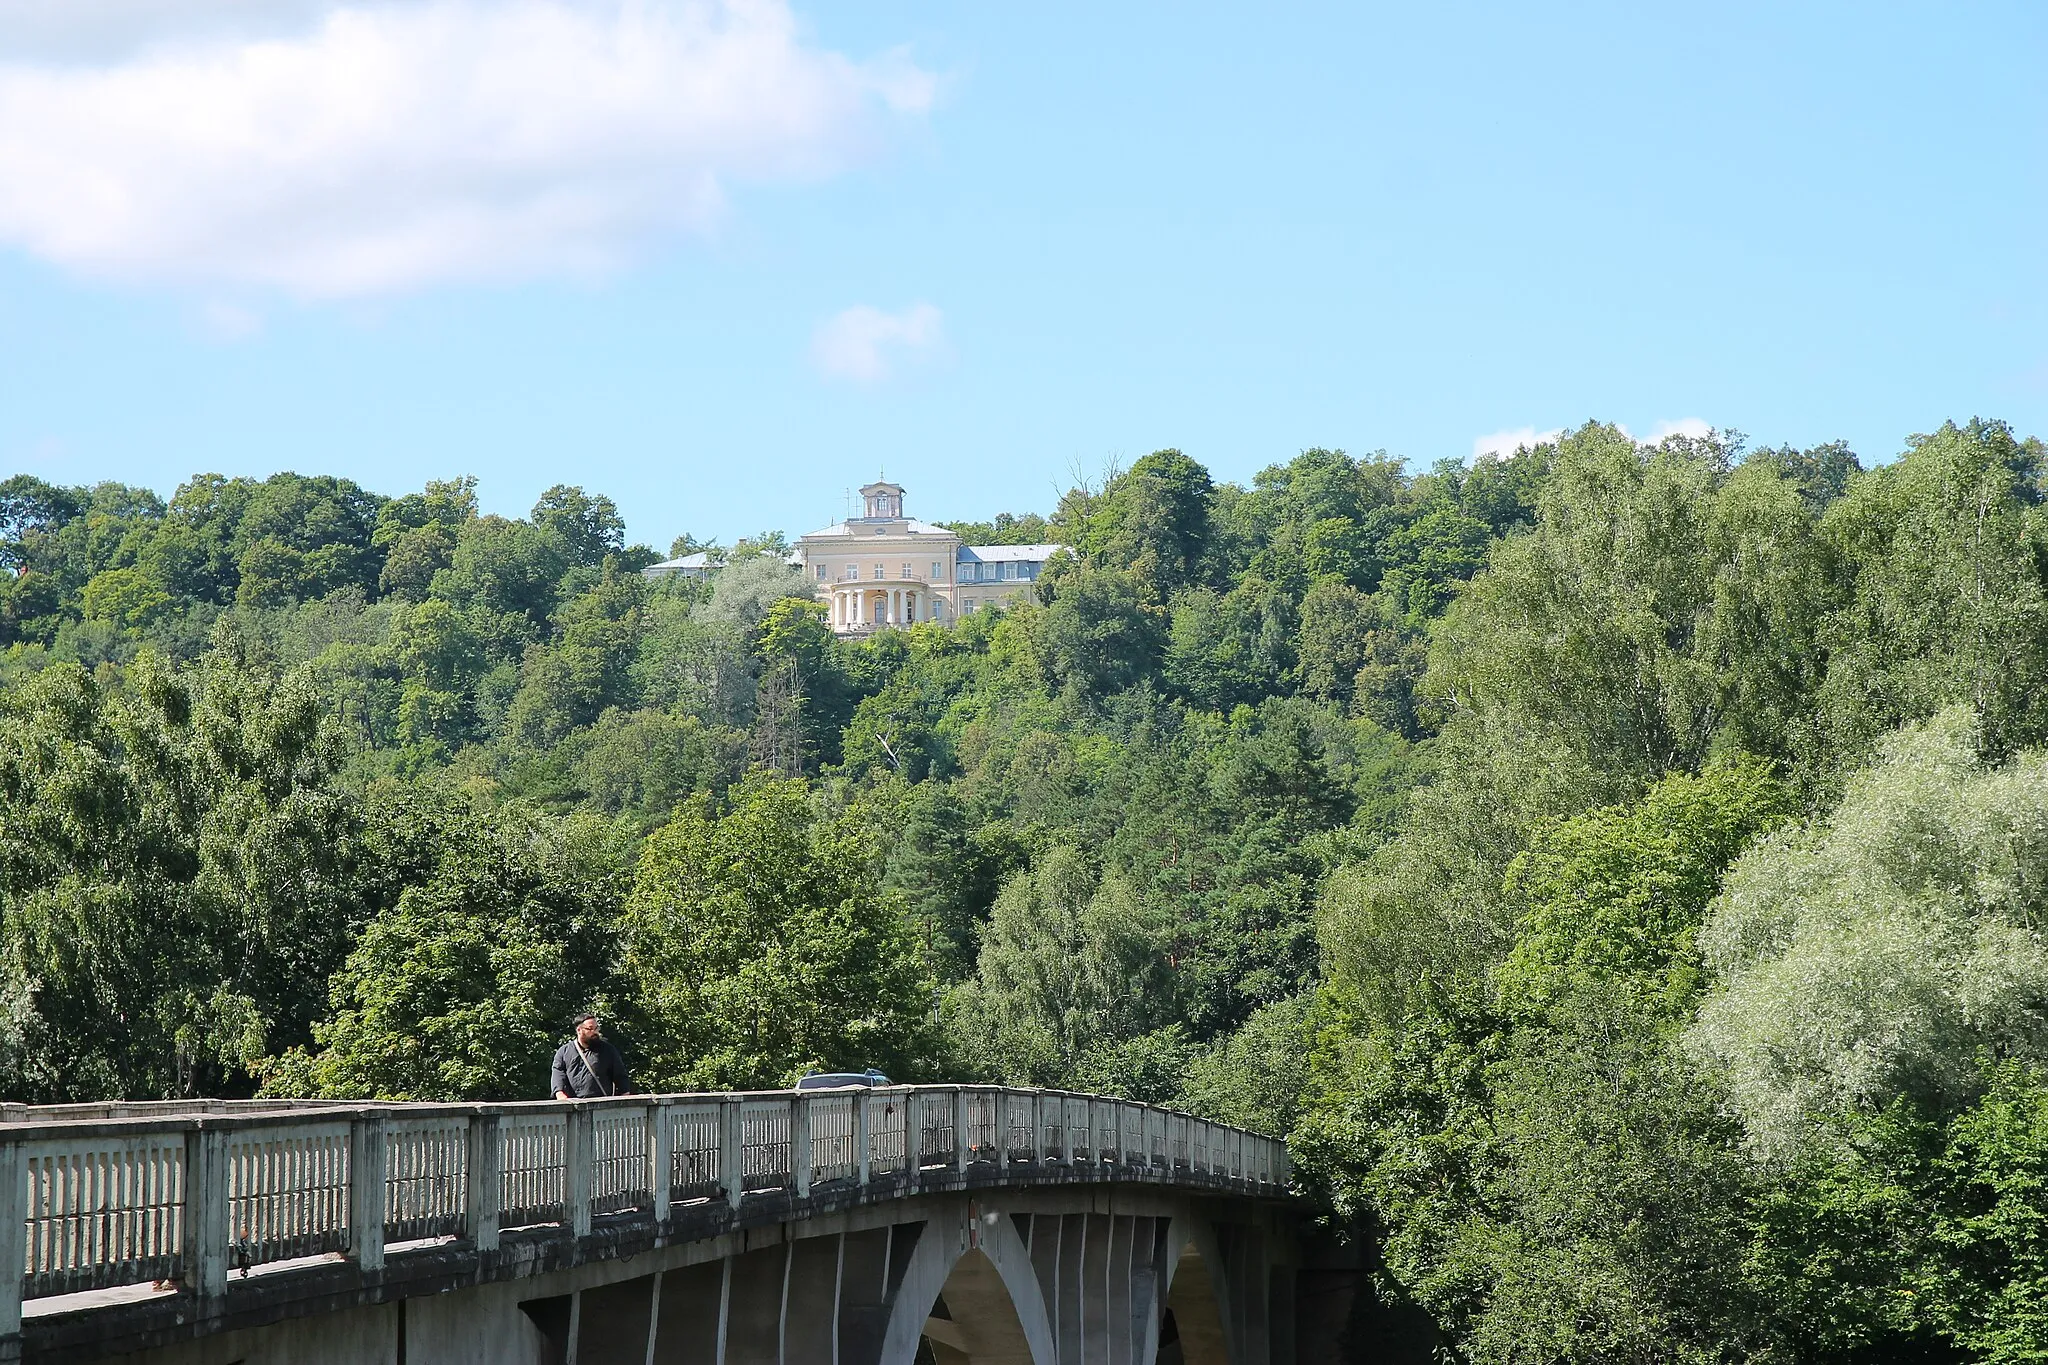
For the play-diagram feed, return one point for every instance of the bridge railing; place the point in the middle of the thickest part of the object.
(101, 1196)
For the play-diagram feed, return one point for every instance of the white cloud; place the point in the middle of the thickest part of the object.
(1694, 427)
(379, 147)
(87, 30)
(863, 343)
(1504, 443)
(229, 321)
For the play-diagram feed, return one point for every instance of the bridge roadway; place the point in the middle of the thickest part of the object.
(910, 1224)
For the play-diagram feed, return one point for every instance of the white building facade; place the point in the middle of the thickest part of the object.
(885, 569)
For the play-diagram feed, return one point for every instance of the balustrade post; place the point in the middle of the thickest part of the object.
(732, 1166)
(1066, 1130)
(13, 1245)
(863, 1145)
(579, 1150)
(483, 1213)
(1002, 1108)
(913, 1138)
(367, 1196)
(800, 1145)
(205, 1222)
(962, 1139)
(661, 1142)
(1094, 1133)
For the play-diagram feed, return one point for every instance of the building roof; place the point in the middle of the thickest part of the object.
(699, 562)
(858, 525)
(993, 554)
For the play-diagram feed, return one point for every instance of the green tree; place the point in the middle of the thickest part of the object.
(1070, 961)
(1950, 544)
(509, 569)
(759, 944)
(463, 989)
(589, 525)
(1153, 520)
(1583, 629)
(178, 872)
(1102, 633)
(126, 597)
(1617, 895)
(1870, 956)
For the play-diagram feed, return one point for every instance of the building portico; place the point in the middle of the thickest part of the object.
(857, 608)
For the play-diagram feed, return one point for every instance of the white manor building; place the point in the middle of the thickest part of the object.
(884, 569)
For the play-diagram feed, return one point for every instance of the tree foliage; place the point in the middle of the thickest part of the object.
(1616, 864)
(758, 944)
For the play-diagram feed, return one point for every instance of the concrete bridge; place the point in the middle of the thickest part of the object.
(899, 1226)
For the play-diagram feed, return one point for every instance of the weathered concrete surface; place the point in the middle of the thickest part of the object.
(981, 1278)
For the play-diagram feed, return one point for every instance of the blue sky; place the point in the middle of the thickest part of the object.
(723, 262)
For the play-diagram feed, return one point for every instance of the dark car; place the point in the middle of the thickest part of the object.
(842, 1080)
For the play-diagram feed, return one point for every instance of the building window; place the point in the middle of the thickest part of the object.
(906, 571)
(935, 571)
(878, 573)
(967, 604)
(821, 573)
(852, 574)
(1002, 572)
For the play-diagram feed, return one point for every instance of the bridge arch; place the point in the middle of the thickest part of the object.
(1198, 1293)
(981, 1267)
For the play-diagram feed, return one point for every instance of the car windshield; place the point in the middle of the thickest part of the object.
(833, 1079)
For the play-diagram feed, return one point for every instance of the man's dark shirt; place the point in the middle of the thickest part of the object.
(572, 1075)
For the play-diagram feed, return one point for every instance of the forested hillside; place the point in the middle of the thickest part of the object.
(1620, 868)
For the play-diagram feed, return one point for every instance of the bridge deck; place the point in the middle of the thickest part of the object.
(128, 1222)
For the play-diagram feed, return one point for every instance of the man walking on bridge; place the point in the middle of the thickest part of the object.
(587, 1067)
